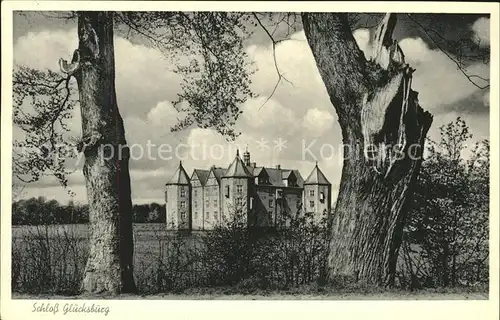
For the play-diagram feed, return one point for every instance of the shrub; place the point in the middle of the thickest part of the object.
(48, 259)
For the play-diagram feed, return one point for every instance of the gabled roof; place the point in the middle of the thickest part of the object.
(218, 173)
(237, 169)
(256, 171)
(276, 176)
(300, 180)
(201, 174)
(285, 174)
(179, 177)
(317, 177)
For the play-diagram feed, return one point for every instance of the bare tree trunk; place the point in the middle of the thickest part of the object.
(376, 107)
(109, 267)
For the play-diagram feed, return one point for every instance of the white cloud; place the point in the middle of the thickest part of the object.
(42, 50)
(163, 114)
(437, 78)
(262, 113)
(481, 29)
(304, 88)
(417, 51)
(318, 121)
(144, 75)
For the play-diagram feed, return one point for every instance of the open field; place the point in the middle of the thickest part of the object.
(142, 231)
(57, 254)
(49, 261)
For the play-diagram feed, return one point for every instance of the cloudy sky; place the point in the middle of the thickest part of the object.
(299, 115)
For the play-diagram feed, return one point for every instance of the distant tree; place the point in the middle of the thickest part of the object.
(154, 212)
(449, 219)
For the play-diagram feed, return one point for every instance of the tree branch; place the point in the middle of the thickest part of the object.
(458, 63)
(274, 42)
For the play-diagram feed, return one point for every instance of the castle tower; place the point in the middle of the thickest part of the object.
(178, 200)
(246, 158)
(317, 192)
(237, 189)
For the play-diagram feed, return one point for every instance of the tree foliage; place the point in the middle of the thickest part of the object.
(449, 221)
(40, 211)
(206, 48)
(42, 108)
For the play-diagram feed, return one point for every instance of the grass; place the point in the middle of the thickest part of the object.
(52, 258)
(48, 262)
(299, 293)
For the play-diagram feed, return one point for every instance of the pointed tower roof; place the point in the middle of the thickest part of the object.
(317, 177)
(237, 169)
(179, 177)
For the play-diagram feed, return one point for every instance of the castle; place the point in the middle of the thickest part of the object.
(264, 195)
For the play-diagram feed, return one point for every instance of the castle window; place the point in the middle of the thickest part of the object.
(238, 201)
(322, 196)
(196, 214)
(208, 214)
(227, 191)
(196, 204)
(215, 203)
(195, 192)
(311, 193)
(239, 189)
(183, 192)
(183, 215)
(183, 204)
(279, 193)
(215, 215)
(311, 204)
(271, 203)
(207, 203)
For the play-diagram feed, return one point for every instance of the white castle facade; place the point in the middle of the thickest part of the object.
(264, 195)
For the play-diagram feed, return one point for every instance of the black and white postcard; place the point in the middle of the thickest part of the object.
(185, 152)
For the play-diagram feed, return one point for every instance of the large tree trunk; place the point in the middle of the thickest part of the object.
(109, 267)
(376, 109)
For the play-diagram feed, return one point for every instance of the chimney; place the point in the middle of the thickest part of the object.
(246, 158)
(278, 166)
(254, 164)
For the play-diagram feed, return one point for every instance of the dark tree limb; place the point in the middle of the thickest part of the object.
(380, 120)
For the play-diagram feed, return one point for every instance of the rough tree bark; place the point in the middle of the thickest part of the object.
(109, 267)
(383, 128)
